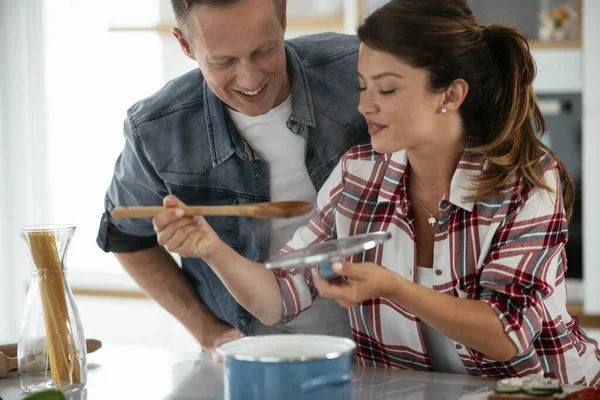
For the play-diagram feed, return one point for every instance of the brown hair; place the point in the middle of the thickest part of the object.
(500, 109)
(181, 8)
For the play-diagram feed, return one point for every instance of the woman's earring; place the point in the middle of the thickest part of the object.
(444, 110)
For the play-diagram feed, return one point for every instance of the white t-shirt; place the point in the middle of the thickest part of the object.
(272, 141)
(440, 348)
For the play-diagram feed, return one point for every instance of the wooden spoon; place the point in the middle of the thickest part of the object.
(7, 364)
(276, 209)
(8, 355)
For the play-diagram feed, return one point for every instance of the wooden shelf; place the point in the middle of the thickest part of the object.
(308, 23)
(566, 44)
(162, 28)
(585, 321)
(119, 294)
(312, 23)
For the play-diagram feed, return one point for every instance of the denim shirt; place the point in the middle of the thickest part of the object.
(181, 141)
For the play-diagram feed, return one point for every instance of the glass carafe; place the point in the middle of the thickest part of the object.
(51, 348)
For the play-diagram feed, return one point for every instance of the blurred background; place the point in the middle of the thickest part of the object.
(69, 70)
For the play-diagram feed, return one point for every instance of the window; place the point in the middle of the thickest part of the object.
(93, 75)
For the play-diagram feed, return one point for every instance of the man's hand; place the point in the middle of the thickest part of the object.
(188, 236)
(217, 335)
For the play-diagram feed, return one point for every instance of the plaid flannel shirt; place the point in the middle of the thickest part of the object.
(506, 251)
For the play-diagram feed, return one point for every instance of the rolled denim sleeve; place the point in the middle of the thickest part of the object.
(134, 183)
(524, 263)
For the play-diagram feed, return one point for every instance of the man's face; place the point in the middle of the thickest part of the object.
(241, 53)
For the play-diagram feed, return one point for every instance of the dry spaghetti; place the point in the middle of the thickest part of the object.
(62, 353)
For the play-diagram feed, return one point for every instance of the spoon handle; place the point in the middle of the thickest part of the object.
(281, 209)
(151, 212)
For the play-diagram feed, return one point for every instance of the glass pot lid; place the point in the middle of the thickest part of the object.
(333, 250)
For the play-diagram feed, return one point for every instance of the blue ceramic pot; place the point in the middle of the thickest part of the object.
(291, 367)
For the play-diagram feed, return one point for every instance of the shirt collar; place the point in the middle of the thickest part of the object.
(394, 186)
(469, 168)
(218, 122)
(302, 105)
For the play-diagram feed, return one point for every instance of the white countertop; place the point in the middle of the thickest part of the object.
(132, 373)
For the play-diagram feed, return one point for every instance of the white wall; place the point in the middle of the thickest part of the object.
(175, 62)
(22, 139)
(110, 320)
(591, 158)
(558, 71)
(6, 312)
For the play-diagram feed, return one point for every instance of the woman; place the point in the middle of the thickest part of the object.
(473, 277)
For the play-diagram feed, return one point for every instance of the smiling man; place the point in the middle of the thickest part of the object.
(262, 119)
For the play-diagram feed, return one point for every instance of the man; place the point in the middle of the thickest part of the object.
(261, 119)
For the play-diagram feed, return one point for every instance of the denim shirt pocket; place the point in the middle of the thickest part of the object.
(197, 190)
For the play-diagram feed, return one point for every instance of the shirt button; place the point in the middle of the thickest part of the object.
(458, 347)
(445, 204)
(259, 175)
(242, 322)
(438, 272)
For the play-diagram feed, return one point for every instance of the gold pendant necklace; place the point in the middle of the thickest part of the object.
(431, 218)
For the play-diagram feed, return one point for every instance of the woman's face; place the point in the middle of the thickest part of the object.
(400, 109)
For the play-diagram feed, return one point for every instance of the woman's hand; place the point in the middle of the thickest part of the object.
(357, 283)
(188, 236)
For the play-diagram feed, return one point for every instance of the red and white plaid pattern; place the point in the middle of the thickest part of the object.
(506, 251)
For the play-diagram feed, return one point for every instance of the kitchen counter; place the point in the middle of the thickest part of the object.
(127, 372)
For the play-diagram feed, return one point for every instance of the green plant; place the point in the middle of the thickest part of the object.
(46, 395)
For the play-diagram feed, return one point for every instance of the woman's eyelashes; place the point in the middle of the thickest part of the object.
(381, 91)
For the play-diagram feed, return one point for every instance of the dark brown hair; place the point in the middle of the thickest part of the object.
(181, 8)
(500, 109)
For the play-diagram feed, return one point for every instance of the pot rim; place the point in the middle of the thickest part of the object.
(223, 352)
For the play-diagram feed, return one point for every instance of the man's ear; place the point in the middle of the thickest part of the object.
(284, 14)
(186, 46)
